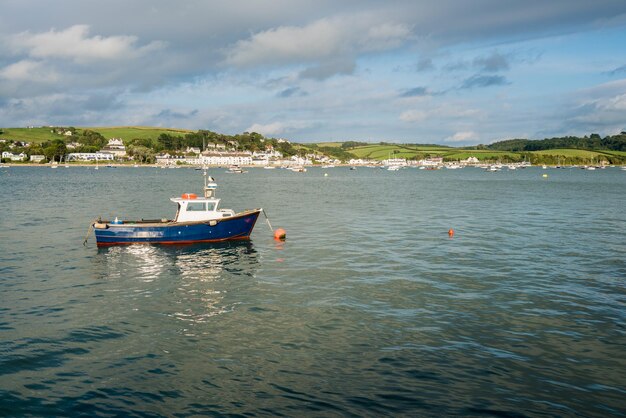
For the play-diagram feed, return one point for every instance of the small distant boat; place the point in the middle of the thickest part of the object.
(328, 166)
(269, 167)
(198, 219)
(352, 168)
(393, 168)
(4, 166)
(235, 169)
(298, 169)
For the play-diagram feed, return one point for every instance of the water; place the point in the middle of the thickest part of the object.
(367, 309)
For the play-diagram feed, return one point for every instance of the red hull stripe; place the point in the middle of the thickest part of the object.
(108, 244)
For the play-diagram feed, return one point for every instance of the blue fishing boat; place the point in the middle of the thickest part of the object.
(198, 219)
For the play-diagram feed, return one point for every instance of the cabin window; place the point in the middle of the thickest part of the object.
(196, 206)
(210, 206)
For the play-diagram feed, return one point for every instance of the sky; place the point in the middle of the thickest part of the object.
(450, 72)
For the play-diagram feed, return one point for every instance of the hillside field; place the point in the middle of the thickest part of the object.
(43, 134)
(380, 151)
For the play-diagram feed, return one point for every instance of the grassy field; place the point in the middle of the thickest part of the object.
(131, 132)
(29, 134)
(372, 151)
(37, 135)
(383, 152)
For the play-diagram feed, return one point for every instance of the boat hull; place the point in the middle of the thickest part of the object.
(238, 227)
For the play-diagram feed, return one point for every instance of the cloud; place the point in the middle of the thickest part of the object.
(424, 64)
(598, 109)
(148, 52)
(329, 69)
(416, 91)
(172, 115)
(324, 39)
(462, 137)
(492, 63)
(30, 71)
(291, 91)
(481, 80)
(275, 128)
(442, 112)
(413, 115)
(74, 43)
(618, 70)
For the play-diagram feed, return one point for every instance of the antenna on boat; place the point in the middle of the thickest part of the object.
(209, 185)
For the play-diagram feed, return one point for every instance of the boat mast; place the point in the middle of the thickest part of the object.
(209, 185)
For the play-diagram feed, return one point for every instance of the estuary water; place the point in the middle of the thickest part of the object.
(368, 308)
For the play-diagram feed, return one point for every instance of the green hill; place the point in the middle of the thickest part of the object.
(43, 134)
(565, 150)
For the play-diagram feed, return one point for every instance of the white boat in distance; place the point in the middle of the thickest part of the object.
(235, 169)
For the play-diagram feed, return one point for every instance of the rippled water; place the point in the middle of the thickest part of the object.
(368, 308)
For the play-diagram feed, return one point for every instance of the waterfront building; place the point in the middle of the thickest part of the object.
(116, 147)
(14, 157)
(90, 156)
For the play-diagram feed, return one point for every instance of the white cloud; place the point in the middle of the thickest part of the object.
(323, 39)
(74, 43)
(413, 116)
(28, 70)
(462, 136)
(275, 128)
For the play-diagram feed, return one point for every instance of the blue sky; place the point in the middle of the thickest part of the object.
(447, 72)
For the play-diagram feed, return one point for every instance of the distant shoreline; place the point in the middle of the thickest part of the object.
(136, 165)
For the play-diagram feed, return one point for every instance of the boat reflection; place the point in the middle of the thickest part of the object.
(192, 282)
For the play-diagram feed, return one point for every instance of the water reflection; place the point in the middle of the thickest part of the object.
(190, 283)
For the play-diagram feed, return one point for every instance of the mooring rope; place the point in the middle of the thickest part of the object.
(267, 219)
(89, 231)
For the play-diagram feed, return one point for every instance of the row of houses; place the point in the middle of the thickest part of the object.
(221, 158)
(21, 157)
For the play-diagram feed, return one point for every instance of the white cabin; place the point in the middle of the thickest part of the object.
(192, 208)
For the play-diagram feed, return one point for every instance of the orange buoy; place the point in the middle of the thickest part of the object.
(189, 196)
(280, 234)
(451, 232)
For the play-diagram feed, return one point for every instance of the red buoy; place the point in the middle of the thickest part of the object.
(189, 196)
(280, 234)
(451, 232)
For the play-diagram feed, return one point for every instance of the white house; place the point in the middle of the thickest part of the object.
(13, 157)
(471, 160)
(90, 156)
(37, 158)
(116, 147)
(192, 150)
(226, 158)
(395, 162)
(431, 162)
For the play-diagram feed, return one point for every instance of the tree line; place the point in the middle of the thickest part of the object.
(592, 142)
(145, 149)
